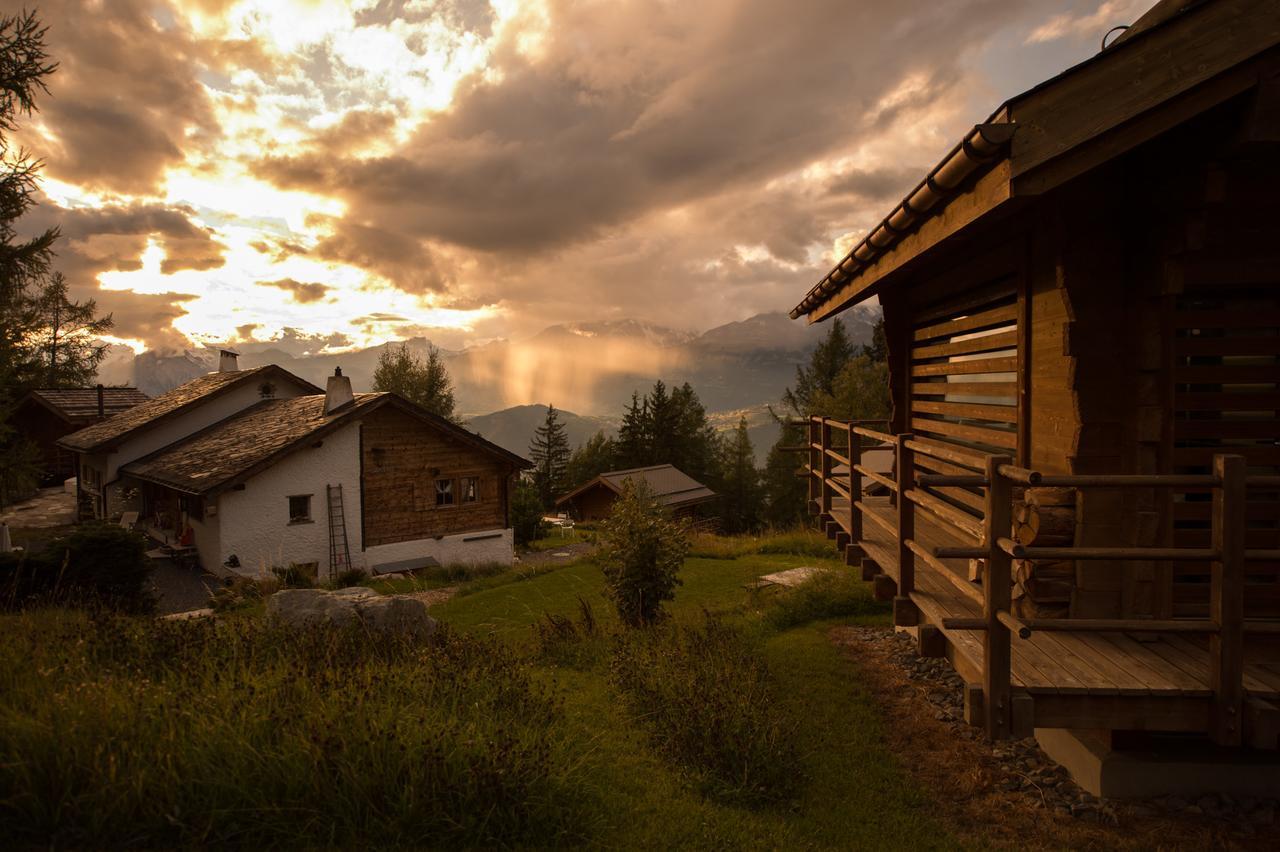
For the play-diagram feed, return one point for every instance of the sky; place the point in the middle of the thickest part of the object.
(338, 174)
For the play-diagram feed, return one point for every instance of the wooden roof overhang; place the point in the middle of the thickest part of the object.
(1172, 68)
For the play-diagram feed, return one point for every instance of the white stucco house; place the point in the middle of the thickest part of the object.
(253, 480)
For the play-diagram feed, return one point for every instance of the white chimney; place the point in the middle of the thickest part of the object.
(227, 361)
(337, 392)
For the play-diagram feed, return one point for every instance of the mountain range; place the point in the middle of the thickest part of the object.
(589, 370)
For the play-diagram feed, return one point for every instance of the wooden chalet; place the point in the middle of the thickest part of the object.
(1082, 303)
(679, 492)
(47, 414)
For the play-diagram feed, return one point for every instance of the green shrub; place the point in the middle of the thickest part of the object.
(295, 576)
(838, 594)
(710, 705)
(642, 553)
(97, 565)
(118, 731)
(526, 514)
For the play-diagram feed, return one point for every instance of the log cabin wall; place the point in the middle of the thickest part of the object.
(401, 460)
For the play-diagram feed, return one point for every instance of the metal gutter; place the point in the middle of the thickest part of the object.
(982, 146)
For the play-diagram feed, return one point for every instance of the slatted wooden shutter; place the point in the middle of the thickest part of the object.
(1226, 376)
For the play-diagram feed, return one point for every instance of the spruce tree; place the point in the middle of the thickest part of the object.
(598, 455)
(549, 452)
(66, 345)
(740, 482)
(632, 447)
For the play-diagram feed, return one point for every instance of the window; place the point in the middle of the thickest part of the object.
(267, 390)
(470, 489)
(444, 492)
(300, 509)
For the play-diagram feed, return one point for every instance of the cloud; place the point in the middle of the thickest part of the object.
(302, 291)
(1095, 22)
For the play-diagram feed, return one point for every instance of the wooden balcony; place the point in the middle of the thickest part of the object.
(1219, 675)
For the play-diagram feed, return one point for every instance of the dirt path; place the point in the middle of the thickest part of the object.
(1009, 794)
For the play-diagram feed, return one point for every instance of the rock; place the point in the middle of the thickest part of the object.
(400, 614)
(1174, 803)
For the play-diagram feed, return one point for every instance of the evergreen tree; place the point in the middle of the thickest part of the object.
(596, 456)
(819, 375)
(65, 343)
(785, 493)
(426, 384)
(878, 348)
(549, 452)
(661, 425)
(860, 391)
(696, 444)
(24, 263)
(632, 447)
(740, 482)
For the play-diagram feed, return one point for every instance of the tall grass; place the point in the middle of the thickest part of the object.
(837, 594)
(790, 542)
(117, 731)
(711, 705)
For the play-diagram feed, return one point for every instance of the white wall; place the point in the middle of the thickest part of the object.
(254, 523)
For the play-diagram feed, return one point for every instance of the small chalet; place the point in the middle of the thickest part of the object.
(1082, 304)
(45, 415)
(679, 492)
(245, 471)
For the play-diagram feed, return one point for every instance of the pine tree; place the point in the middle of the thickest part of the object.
(819, 376)
(695, 444)
(632, 447)
(740, 482)
(878, 348)
(66, 336)
(426, 384)
(549, 452)
(661, 425)
(598, 455)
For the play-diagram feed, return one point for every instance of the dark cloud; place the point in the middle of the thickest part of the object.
(557, 150)
(126, 101)
(401, 257)
(302, 291)
(144, 316)
(877, 184)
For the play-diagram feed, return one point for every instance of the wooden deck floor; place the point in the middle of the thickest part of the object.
(1076, 679)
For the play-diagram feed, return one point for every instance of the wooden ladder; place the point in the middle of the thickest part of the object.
(339, 550)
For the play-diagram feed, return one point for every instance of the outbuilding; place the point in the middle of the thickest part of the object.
(674, 489)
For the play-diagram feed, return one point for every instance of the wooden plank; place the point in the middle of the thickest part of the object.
(1203, 456)
(878, 519)
(988, 343)
(1226, 319)
(963, 521)
(976, 434)
(998, 413)
(1212, 401)
(1104, 678)
(1184, 346)
(1224, 374)
(1176, 679)
(1197, 658)
(967, 323)
(996, 285)
(992, 389)
(967, 368)
(1260, 429)
(951, 452)
(996, 651)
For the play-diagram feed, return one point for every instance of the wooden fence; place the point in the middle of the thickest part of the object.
(835, 469)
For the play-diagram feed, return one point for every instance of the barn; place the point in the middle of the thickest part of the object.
(1082, 305)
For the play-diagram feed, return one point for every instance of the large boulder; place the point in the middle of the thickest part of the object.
(399, 614)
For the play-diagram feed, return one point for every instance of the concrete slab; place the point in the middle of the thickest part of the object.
(793, 577)
(50, 507)
(1187, 767)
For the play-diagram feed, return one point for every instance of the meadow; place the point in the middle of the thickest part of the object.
(531, 719)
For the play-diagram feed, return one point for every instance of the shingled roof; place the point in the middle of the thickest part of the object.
(80, 405)
(672, 487)
(114, 429)
(246, 443)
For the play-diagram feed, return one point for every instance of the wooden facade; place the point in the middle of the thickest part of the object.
(402, 458)
(1084, 337)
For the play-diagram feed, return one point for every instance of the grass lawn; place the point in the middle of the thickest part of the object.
(853, 795)
(496, 738)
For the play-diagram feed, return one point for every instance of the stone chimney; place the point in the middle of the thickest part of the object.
(337, 392)
(227, 361)
(102, 403)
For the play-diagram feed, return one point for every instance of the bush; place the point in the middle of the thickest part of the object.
(526, 514)
(561, 640)
(348, 578)
(98, 565)
(117, 731)
(838, 594)
(711, 705)
(643, 551)
(295, 576)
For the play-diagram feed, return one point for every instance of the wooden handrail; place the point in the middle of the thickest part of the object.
(838, 457)
(968, 589)
(883, 437)
(872, 475)
(885, 524)
(944, 510)
(834, 485)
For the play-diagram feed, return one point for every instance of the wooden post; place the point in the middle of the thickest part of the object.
(904, 611)
(812, 435)
(855, 485)
(1226, 602)
(997, 655)
(825, 441)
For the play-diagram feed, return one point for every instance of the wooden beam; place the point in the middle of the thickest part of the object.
(930, 641)
(903, 608)
(1226, 602)
(997, 655)
(883, 588)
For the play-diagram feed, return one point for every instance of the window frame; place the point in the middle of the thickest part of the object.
(462, 490)
(299, 519)
(452, 492)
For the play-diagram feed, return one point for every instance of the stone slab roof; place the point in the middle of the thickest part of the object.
(115, 429)
(80, 405)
